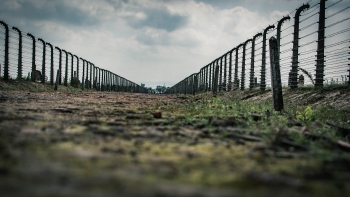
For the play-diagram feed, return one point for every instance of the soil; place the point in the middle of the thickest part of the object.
(130, 144)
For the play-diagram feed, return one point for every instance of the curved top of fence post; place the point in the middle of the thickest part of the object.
(50, 45)
(303, 7)
(58, 49)
(30, 35)
(257, 35)
(246, 42)
(19, 31)
(65, 52)
(5, 25)
(280, 22)
(268, 28)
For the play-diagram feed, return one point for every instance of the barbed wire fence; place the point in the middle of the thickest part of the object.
(25, 57)
(314, 48)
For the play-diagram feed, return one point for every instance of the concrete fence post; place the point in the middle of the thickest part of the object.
(19, 65)
(71, 68)
(57, 79)
(66, 70)
(235, 80)
(252, 75)
(216, 81)
(276, 83)
(43, 62)
(320, 46)
(294, 72)
(51, 65)
(220, 72)
(243, 64)
(77, 66)
(263, 59)
(33, 57)
(6, 65)
(83, 75)
(60, 65)
(230, 71)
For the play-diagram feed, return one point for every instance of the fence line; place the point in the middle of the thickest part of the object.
(23, 56)
(313, 44)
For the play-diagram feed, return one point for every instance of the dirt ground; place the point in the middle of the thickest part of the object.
(118, 144)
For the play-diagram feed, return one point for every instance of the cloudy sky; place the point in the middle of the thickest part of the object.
(146, 41)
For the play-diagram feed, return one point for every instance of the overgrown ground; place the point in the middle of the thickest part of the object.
(73, 143)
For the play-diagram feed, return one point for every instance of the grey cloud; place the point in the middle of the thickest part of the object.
(162, 39)
(53, 10)
(158, 19)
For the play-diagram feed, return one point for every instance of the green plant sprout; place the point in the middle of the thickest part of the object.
(306, 115)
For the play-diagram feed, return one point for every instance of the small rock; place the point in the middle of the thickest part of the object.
(157, 114)
(30, 131)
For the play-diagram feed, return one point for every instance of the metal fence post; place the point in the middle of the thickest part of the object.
(33, 57)
(295, 61)
(66, 70)
(276, 84)
(19, 72)
(243, 64)
(252, 75)
(43, 64)
(320, 46)
(263, 63)
(6, 66)
(51, 65)
(60, 65)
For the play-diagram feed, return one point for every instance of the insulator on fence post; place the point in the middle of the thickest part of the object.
(33, 57)
(276, 84)
(235, 80)
(294, 72)
(243, 64)
(51, 65)
(263, 59)
(43, 64)
(6, 66)
(252, 83)
(19, 65)
(320, 46)
(60, 65)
